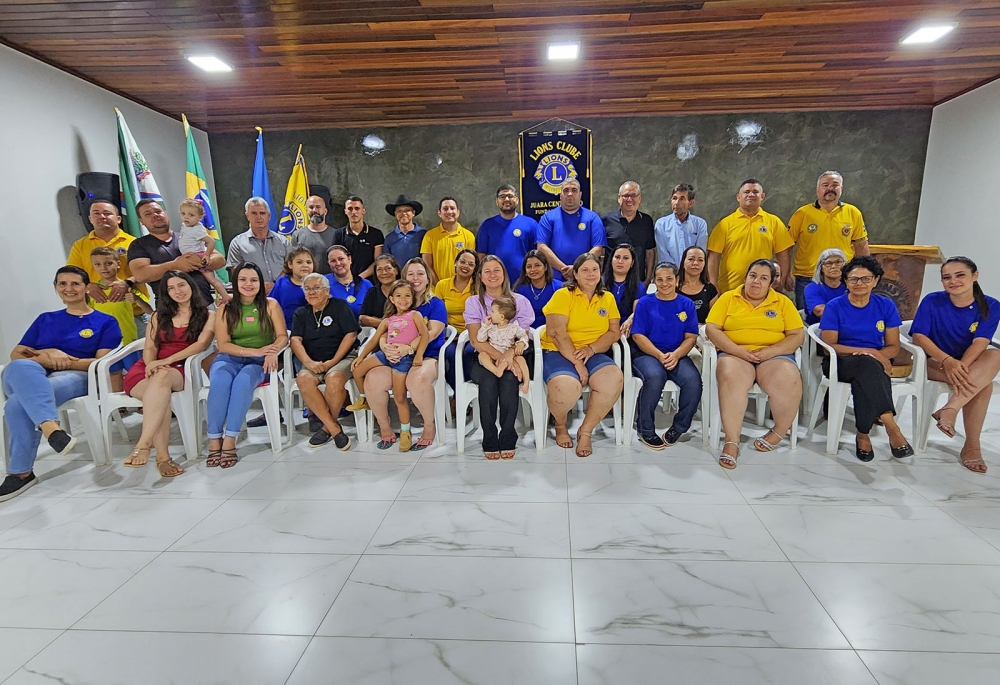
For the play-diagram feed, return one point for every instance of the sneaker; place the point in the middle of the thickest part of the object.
(261, 421)
(653, 441)
(342, 442)
(361, 404)
(14, 485)
(319, 438)
(671, 436)
(61, 441)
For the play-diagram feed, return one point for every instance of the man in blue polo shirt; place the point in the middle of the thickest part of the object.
(569, 230)
(508, 235)
(403, 242)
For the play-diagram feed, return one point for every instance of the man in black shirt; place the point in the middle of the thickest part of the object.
(324, 340)
(153, 255)
(363, 242)
(628, 225)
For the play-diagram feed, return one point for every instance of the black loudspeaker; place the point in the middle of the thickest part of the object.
(93, 186)
(324, 193)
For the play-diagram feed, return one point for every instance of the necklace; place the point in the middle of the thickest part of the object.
(318, 316)
(537, 293)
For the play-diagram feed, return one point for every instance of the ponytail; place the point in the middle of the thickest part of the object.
(977, 292)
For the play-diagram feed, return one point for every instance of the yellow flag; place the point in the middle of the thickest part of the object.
(294, 215)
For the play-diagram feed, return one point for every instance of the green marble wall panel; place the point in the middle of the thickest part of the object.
(880, 154)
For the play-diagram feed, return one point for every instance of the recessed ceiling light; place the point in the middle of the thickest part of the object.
(928, 34)
(209, 63)
(564, 51)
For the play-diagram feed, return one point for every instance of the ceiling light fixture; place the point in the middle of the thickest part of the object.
(564, 51)
(928, 34)
(209, 63)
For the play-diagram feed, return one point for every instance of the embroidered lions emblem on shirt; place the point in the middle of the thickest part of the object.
(683, 316)
(582, 226)
(460, 245)
(973, 327)
(880, 326)
(517, 232)
(812, 228)
(327, 320)
(762, 228)
(86, 333)
(771, 314)
(845, 230)
(602, 312)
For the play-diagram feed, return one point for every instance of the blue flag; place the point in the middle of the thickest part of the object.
(261, 186)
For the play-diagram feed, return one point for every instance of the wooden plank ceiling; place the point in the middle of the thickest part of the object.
(313, 64)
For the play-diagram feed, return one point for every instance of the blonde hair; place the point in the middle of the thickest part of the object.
(428, 291)
(191, 203)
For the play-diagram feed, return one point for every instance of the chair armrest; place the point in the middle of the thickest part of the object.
(450, 333)
(919, 358)
(366, 333)
(813, 332)
(463, 340)
(100, 368)
(626, 358)
(536, 339)
(192, 365)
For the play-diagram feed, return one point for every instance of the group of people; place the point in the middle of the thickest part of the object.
(589, 280)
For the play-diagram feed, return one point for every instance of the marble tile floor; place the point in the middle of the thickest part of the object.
(433, 568)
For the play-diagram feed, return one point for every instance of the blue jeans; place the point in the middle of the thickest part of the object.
(654, 377)
(800, 291)
(33, 397)
(233, 380)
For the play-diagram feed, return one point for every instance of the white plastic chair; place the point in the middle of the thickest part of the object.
(811, 368)
(291, 386)
(268, 394)
(932, 391)
(440, 394)
(87, 409)
(181, 403)
(540, 394)
(466, 393)
(840, 393)
(671, 391)
(715, 422)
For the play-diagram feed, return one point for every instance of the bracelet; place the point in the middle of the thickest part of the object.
(592, 350)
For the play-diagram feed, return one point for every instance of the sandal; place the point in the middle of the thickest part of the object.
(562, 437)
(762, 445)
(974, 464)
(384, 444)
(228, 459)
(422, 444)
(492, 456)
(169, 468)
(728, 461)
(507, 454)
(214, 457)
(582, 451)
(944, 425)
(137, 459)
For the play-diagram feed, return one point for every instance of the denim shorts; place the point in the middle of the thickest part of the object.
(554, 364)
(789, 357)
(402, 366)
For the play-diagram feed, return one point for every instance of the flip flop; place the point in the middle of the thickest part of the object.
(133, 459)
(422, 444)
(169, 468)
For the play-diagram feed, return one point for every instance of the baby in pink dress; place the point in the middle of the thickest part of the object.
(501, 331)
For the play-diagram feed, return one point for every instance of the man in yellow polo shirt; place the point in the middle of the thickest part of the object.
(819, 226)
(107, 232)
(746, 235)
(442, 243)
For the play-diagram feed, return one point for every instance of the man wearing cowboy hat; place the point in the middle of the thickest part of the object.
(403, 242)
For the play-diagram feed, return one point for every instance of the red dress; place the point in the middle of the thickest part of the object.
(166, 348)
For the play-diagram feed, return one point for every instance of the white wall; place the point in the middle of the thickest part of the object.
(958, 202)
(52, 127)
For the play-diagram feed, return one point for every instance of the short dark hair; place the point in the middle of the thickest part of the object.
(507, 307)
(445, 199)
(751, 180)
(118, 210)
(354, 198)
(71, 270)
(685, 188)
(142, 203)
(865, 262)
(506, 186)
(762, 262)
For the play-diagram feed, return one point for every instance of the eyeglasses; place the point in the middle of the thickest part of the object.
(317, 289)
(507, 197)
(838, 263)
(854, 280)
(628, 196)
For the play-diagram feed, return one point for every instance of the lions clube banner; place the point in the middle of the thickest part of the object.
(550, 153)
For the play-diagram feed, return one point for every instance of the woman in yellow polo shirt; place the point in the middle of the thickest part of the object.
(454, 291)
(581, 325)
(756, 331)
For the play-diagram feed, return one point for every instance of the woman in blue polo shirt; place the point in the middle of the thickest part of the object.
(664, 329)
(863, 330)
(48, 367)
(827, 283)
(622, 279)
(420, 379)
(344, 285)
(537, 283)
(954, 327)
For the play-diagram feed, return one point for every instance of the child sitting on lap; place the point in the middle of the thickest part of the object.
(503, 332)
(105, 262)
(404, 330)
(195, 238)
